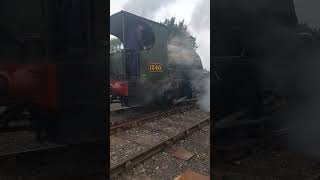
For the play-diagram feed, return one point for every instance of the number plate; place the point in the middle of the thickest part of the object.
(155, 67)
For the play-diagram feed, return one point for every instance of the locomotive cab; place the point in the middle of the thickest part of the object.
(137, 74)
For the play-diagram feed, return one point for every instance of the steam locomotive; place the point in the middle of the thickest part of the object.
(256, 50)
(53, 66)
(166, 69)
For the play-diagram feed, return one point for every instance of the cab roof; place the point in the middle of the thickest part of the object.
(122, 23)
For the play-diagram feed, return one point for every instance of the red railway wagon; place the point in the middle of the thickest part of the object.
(52, 63)
(119, 88)
(23, 83)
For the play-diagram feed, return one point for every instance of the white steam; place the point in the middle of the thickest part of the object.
(204, 98)
(195, 13)
(200, 27)
(145, 8)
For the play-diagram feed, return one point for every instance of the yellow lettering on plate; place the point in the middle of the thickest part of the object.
(155, 67)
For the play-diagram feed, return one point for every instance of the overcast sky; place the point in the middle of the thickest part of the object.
(156, 10)
(196, 14)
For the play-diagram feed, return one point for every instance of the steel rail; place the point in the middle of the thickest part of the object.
(122, 110)
(142, 156)
(128, 124)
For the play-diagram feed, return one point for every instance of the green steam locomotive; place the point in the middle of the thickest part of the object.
(160, 71)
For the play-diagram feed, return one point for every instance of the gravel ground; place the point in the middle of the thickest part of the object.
(143, 137)
(158, 167)
(129, 113)
(164, 166)
(47, 165)
(266, 162)
(124, 147)
(196, 113)
(138, 112)
(20, 141)
(272, 162)
(116, 106)
(41, 164)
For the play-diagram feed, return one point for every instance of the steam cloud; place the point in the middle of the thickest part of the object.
(145, 8)
(181, 52)
(305, 135)
(293, 68)
(199, 26)
(204, 98)
(201, 16)
(308, 11)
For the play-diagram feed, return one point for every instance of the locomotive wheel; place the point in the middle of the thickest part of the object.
(124, 101)
(188, 91)
(166, 100)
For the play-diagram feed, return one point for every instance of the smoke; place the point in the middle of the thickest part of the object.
(145, 8)
(200, 26)
(308, 11)
(305, 135)
(181, 52)
(292, 65)
(204, 97)
(199, 23)
(182, 55)
(200, 19)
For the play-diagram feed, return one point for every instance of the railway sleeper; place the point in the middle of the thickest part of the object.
(140, 157)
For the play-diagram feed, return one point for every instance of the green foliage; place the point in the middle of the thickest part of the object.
(115, 44)
(179, 30)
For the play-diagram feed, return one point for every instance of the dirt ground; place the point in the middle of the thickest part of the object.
(272, 162)
(164, 166)
(266, 162)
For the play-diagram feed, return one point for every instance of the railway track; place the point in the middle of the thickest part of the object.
(115, 111)
(243, 132)
(151, 135)
(128, 123)
(135, 114)
(22, 157)
(241, 137)
(55, 161)
(121, 110)
(236, 136)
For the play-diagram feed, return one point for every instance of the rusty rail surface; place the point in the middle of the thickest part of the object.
(131, 123)
(123, 110)
(138, 158)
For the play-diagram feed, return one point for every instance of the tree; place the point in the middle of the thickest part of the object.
(115, 44)
(179, 30)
